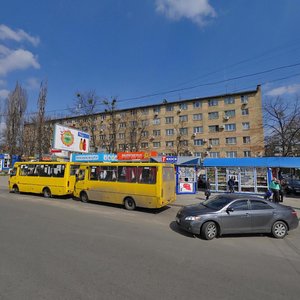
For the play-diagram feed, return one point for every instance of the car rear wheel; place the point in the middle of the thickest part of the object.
(209, 230)
(84, 197)
(47, 193)
(279, 230)
(129, 203)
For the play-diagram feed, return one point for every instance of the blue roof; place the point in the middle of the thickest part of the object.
(268, 162)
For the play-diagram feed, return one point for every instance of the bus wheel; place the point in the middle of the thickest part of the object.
(16, 189)
(47, 193)
(84, 197)
(129, 203)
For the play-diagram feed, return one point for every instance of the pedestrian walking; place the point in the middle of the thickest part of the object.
(207, 192)
(275, 188)
(231, 185)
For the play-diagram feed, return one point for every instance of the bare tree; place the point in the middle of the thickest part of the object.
(86, 104)
(42, 144)
(282, 127)
(15, 110)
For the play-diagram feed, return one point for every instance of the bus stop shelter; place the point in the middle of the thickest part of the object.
(251, 175)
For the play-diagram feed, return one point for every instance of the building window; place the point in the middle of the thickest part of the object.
(145, 123)
(169, 131)
(213, 102)
(184, 143)
(156, 132)
(122, 146)
(198, 142)
(183, 106)
(215, 154)
(102, 117)
(156, 121)
(133, 123)
(102, 137)
(197, 117)
(244, 99)
(246, 125)
(133, 112)
(145, 111)
(247, 153)
(214, 142)
(246, 139)
(169, 120)
(230, 127)
(229, 113)
(197, 154)
(169, 107)
(213, 115)
(231, 154)
(156, 109)
(231, 140)
(197, 104)
(156, 144)
(198, 129)
(245, 111)
(183, 118)
(169, 143)
(183, 131)
(229, 100)
(122, 125)
(144, 145)
(121, 136)
(213, 128)
(144, 133)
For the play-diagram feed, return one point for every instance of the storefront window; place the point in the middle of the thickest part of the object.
(222, 183)
(247, 180)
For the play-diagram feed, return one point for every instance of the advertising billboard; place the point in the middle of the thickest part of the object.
(70, 139)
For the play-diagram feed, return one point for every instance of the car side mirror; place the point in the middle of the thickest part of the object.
(229, 209)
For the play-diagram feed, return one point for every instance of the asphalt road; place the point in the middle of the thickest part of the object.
(65, 249)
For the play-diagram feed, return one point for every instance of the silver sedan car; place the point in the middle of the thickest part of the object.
(236, 214)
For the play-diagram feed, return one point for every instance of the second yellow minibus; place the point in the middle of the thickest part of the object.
(149, 185)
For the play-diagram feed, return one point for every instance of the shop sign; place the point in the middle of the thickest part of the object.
(136, 155)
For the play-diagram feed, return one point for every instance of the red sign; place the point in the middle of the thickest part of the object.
(135, 155)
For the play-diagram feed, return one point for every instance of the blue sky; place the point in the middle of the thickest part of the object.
(132, 48)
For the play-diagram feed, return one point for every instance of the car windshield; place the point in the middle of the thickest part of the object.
(217, 203)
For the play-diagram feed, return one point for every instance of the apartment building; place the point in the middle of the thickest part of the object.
(228, 125)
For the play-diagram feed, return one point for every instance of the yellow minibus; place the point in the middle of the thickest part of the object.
(47, 178)
(149, 185)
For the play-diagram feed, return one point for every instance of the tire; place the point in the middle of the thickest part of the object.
(84, 197)
(16, 189)
(279, 230)
(47, 193)
(209, 230)
(129, 203)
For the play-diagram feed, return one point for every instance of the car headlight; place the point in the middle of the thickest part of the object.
(192, 218)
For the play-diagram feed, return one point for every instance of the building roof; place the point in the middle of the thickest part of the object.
(267, 162)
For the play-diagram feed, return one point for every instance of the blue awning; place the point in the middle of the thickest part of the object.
(267, 162)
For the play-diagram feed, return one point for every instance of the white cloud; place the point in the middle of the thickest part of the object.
(197, 11)
(4, 94)
(283, 90)
(19, 59)
(19, 35)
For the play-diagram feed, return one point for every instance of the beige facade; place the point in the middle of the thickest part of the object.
(218, 126)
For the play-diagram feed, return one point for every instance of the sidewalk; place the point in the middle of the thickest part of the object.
(187, 199)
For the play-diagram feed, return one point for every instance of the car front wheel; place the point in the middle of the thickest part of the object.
(279, 230)
(209, 230)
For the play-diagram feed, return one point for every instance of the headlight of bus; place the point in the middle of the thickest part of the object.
(192, 218)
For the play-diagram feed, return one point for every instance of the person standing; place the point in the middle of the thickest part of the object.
(231, 185)
(207, 189)
(275, 188)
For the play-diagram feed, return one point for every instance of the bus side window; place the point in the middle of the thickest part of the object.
(80, 175)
